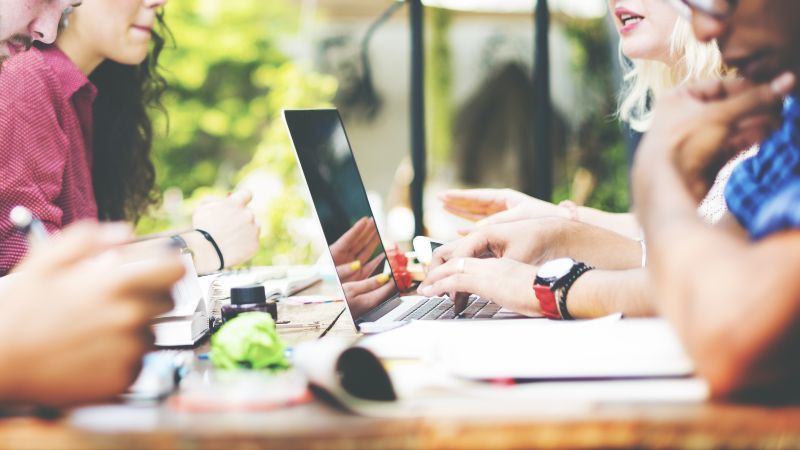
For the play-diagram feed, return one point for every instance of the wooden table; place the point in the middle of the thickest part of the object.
(318, 425)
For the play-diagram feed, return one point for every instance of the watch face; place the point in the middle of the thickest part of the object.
(555, 269)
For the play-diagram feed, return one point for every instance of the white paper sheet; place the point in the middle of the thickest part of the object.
(540, 349)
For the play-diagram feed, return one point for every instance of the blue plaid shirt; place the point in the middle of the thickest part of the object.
(763, 192)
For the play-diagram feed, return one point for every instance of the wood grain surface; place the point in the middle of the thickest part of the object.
(317, 425)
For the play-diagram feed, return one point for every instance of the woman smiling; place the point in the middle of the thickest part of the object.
(82, 136)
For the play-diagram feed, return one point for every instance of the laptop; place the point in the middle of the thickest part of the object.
(340, 201)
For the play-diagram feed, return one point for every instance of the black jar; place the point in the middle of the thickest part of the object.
(249, 299)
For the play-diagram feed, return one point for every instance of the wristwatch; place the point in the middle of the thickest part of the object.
(179, 242)
(552, 284)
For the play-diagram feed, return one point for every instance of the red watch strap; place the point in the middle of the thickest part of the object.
(547, 301)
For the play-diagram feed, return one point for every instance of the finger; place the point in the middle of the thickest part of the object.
(369, 285)
(711, 90)
(372, 266)
(463, 197)
(475, 201)
(347, 270)
(77, 242)
(750, 131)
(151, 275)
(470, 196)
(369, 248)
(454, 195)
(241, 197)
(759, 98)
(366, 237)
(450, 268)
(510, 215)
(468, 205)
(458, 282)
(464, 214)
(460, 300)
(475, 245)
(748, 137)
(210, 199)
(379, 295)
(761, 121)
(356, 233)
(465, 231)
(157, 303)
(135, 310)
(442, 254)
(249, 217)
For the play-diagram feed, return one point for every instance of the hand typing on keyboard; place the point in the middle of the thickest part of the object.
(442, 308)
(505, 282)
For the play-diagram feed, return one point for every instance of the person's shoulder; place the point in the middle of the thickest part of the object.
(27, 79)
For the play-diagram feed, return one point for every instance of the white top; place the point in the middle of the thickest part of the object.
(713, 207)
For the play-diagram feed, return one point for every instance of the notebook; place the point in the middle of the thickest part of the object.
(187, 323)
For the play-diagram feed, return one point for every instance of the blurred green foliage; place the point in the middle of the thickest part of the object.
(227, 83)
(598, 145)
(440, 85)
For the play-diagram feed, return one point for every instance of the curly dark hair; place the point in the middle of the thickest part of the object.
(123, 176)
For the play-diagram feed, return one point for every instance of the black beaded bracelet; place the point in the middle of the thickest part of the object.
(210, 239)
(562, 288)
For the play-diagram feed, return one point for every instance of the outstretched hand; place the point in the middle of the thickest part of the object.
(478, 204)
(357, 245)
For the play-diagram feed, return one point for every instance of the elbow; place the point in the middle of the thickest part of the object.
(725, 375)
(744, 366)
(724, 353)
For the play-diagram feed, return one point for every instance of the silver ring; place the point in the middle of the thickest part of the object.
(460, 266)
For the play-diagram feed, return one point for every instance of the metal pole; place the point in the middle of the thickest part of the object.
(541, 186)
(416, 14)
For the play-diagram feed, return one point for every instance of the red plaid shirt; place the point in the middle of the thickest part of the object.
(45, 145)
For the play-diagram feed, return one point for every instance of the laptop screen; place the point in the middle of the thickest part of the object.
(340, 200)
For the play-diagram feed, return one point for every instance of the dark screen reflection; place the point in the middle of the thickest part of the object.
(342, 207)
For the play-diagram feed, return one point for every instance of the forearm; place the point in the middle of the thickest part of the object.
(678, 241)
(621, 223)
(206, 259)
(203, 254)
(597, 247)
(599, 293)
(734, 303)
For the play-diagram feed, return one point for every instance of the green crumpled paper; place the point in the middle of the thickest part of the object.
(249, 341)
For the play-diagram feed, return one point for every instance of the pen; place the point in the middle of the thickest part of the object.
(319, 303)
(299, 326)
(25, 221)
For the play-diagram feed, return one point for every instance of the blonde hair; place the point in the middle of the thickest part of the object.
(645, 81)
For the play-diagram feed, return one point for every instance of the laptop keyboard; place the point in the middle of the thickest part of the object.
(441, 308)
